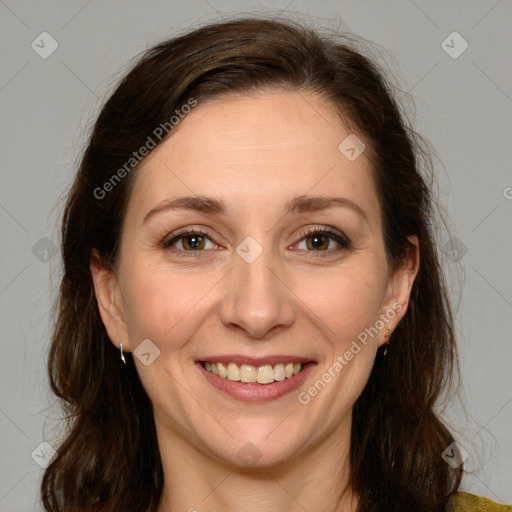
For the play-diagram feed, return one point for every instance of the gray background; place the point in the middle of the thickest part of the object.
(464, 108)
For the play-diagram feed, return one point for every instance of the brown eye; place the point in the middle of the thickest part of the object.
(193, 242)
(317, 242)
(188, 241)
(321, 240)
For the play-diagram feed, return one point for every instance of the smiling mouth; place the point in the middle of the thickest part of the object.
(257, 375)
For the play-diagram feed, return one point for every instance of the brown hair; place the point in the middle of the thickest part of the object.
(109, 459)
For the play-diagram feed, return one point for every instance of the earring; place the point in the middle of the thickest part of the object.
(122, 355)
(386, 337)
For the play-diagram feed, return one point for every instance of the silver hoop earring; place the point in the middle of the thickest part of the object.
(122, 355)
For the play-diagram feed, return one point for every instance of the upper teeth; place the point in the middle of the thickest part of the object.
(263, 374)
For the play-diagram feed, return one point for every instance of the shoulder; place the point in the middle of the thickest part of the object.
(466, 502)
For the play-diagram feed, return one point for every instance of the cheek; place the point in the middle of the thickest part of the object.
(161, 301)
(346, 301)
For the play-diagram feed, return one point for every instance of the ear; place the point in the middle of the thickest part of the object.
(400, 285)
(108, 296)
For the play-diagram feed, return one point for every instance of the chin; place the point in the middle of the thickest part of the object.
(255, 452)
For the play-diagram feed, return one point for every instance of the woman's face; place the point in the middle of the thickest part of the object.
(268, 276)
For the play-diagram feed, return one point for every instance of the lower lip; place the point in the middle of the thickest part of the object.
(247, 392)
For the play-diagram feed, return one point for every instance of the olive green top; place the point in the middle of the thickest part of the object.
(466, 502)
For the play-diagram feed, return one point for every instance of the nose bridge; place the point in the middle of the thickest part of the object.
(258, 299)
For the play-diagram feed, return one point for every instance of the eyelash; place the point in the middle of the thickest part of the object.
(336, 235)
(170, 239)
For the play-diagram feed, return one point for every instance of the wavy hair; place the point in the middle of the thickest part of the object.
(108, 459)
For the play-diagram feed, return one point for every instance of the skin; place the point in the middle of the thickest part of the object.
(255, 152)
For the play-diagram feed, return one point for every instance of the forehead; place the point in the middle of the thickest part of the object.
(259, 149)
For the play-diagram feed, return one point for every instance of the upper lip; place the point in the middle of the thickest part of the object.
(256, 361)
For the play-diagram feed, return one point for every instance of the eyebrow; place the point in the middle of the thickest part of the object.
(212, 205)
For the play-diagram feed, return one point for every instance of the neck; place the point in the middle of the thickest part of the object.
(315, 480)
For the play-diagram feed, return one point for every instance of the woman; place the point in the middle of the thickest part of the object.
(252, 314)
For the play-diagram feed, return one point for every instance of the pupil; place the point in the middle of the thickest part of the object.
(194, 241)
(316, 241)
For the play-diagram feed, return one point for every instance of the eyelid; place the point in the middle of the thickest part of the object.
(340, 237)
(174, 236)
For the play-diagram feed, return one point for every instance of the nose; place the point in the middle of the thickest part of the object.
(257, 298)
